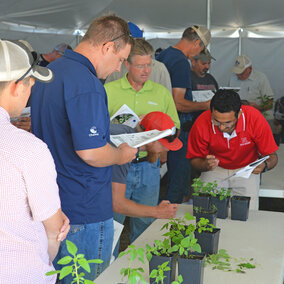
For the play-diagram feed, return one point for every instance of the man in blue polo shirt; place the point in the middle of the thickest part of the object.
(71, 116)
(193, 41)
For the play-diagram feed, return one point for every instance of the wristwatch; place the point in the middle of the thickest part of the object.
(266, 167)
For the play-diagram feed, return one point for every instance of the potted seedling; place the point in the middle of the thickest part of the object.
(202, 193)
(220, 198)
(158, 255)
(207, 236)
(240, 207)
(177, 228)
(133, 275)
(190, 259)
(158, 275)
(72, 264)
(210, 214)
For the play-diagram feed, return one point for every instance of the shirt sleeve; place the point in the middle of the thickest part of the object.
(180, 75)
(198, 143)
(89, 119)
(40, 178)
(263, 137)
(266, 88)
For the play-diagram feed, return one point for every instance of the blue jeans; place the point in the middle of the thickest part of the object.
(94, 241)
(143, 187)
(178, 172)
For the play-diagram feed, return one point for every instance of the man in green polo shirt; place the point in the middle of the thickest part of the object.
(142, 96)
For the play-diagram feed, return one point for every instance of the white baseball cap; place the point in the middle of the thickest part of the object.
(241, 64)
(18, 62)
(203, 33)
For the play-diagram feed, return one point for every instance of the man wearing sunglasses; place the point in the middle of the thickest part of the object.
(71, 116)
(176, 58)
(227, 138)
(142, 96)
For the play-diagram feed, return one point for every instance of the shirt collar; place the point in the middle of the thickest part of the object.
(73, 55)
(251, 75)
(4, 115)
(148, 85)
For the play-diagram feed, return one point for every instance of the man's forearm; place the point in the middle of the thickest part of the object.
(189, 106)
(200, 164)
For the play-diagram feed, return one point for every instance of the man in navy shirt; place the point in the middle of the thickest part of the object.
(71, 116)
(193, 41)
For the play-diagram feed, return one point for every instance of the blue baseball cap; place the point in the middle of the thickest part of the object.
(135, 30)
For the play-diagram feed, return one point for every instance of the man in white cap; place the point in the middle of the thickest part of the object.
(31, 217)
(193, 41)
(254, 86)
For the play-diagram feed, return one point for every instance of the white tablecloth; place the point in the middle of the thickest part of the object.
(261, 238)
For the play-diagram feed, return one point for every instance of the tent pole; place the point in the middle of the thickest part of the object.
(240, 40)
(208, 18)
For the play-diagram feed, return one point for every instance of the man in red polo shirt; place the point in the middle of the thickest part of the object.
(229, 137)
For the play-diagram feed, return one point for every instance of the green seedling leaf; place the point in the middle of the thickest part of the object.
(66, 270)
(84, 264)
(52, 272)
(65, 260)
(71, 247)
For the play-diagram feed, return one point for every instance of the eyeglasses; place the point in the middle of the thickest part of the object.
(171, 138)
(225, 124)
(36, 59)
(118, 37)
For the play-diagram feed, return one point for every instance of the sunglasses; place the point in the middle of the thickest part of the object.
(36, 59)
(120, 36)
(171, 138)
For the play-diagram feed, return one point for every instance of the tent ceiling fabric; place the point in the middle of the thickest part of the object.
(152, 16)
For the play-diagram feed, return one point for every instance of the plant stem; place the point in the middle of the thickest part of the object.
(76, 271)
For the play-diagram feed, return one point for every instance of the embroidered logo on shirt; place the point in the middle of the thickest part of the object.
(244, 141)
(94, 131)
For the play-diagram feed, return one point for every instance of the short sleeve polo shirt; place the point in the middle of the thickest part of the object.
(179, 70)
(71, 114)
(253, 138)
(152, 97)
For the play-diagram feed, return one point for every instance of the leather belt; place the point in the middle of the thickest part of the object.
(140, 160)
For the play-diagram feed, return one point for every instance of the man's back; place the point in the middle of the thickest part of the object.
(27, 200)
(70, 114)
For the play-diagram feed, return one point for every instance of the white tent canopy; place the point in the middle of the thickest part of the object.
(260, 23)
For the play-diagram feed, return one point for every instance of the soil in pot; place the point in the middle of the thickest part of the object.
(202, 200)
(192, 269)
(158, 260)
(222, 206)
(209, 241)
(240, 207)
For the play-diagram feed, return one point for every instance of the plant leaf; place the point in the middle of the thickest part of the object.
(52, 272)
(95, 261)
(66, 270)
(84, 264)
(71, 247)
(65, 260)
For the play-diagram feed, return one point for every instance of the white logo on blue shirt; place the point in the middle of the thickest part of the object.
(94, 131)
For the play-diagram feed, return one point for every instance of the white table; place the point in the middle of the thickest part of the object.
(261, 237)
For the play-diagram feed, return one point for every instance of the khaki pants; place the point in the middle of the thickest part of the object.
(239, 186)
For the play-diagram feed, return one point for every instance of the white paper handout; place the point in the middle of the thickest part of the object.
(202, 96)
(236, 89)
(246, 171)
(117, 230)
(125, 115)
(136, 140)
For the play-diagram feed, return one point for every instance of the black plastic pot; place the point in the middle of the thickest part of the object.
(158, 260)
(202, 200)
(191, 269)
(208, 241)
(240, 207)
(222, 206)
(210, 215)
